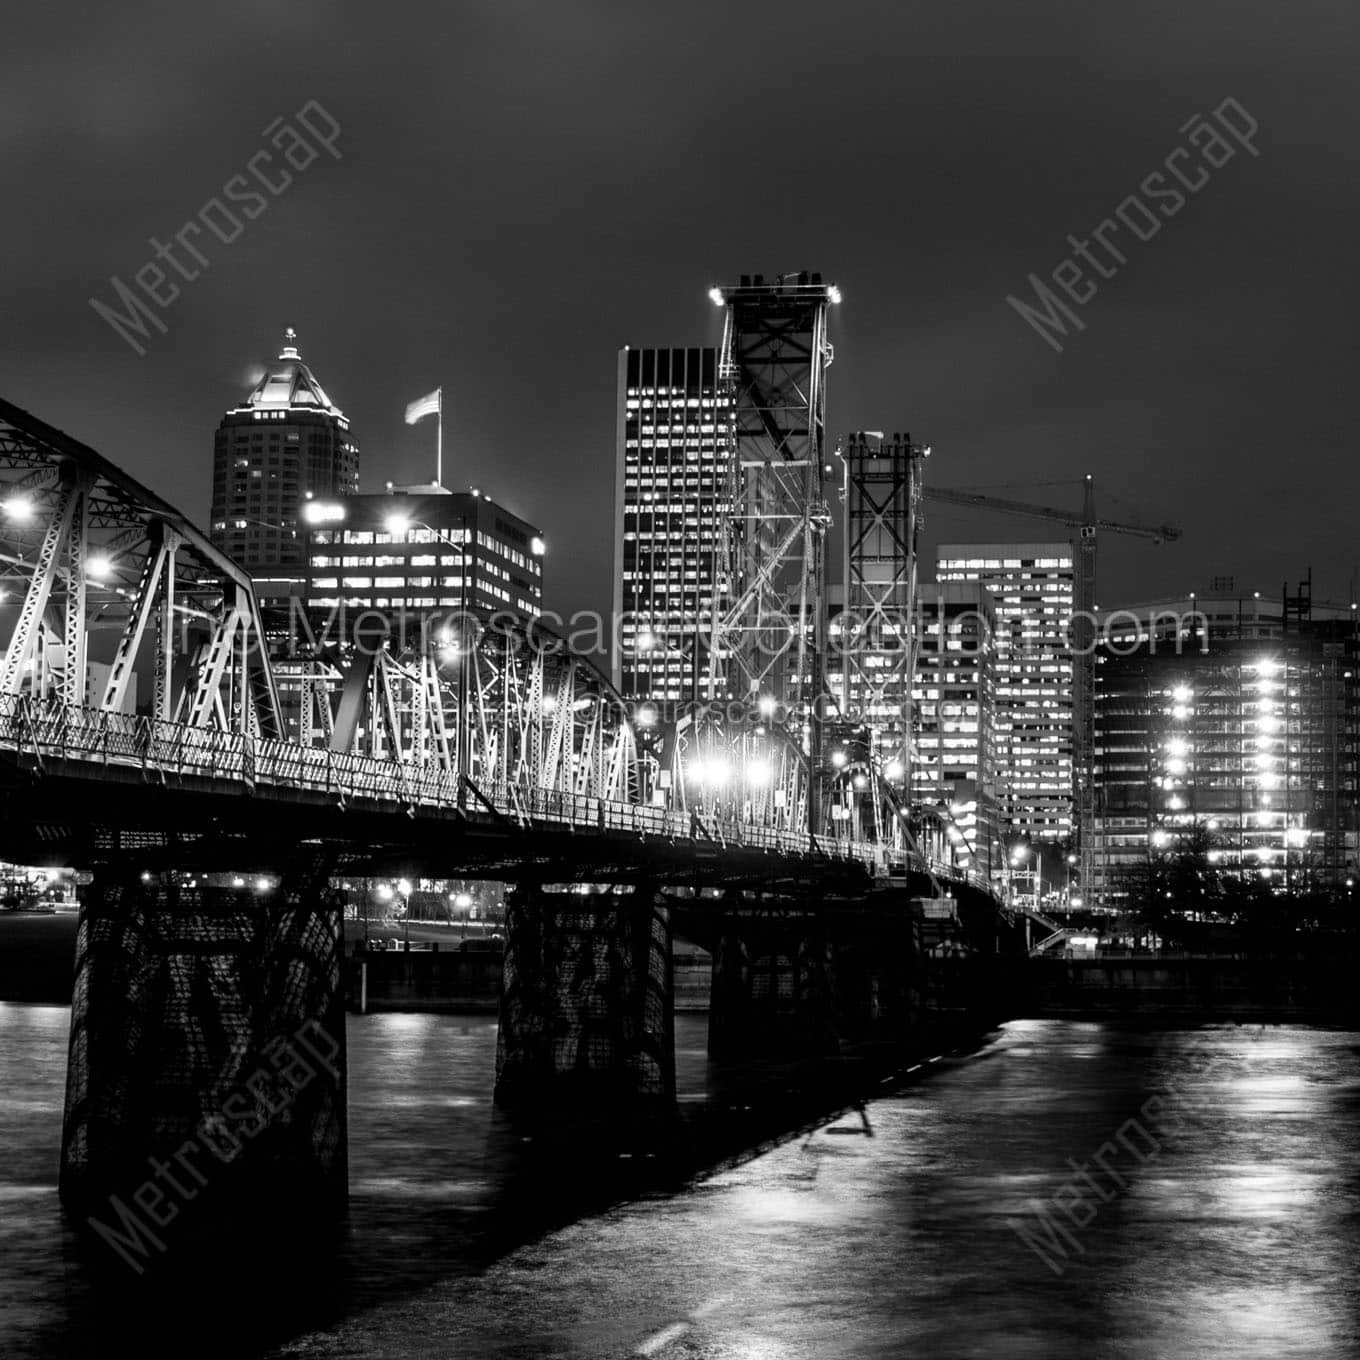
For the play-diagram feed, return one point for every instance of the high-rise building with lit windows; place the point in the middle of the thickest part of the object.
(954, 738)
(285, 442)
(1250, 738)
(1032, 588)
(671, 492)
(419, 549)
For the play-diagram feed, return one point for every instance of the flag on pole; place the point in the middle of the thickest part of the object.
(426, 406)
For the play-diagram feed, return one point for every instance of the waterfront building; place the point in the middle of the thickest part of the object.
(1032, 588)
(1247, 741)
(954, 702)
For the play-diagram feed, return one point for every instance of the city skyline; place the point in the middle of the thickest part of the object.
(1219, 346)
(655, 659)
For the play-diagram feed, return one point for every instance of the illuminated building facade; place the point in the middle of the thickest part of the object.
(671, 493)
(285, 442)
(418, 549)
(954, 696)
(1032, 588)
(1252, 744)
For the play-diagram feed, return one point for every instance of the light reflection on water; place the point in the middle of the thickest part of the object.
(1237, 1240)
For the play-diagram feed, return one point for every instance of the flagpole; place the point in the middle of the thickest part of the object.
(439, 443)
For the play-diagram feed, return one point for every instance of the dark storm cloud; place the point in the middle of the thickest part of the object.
(525, 187)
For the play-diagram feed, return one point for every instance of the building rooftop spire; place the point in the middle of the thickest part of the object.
(288, 384)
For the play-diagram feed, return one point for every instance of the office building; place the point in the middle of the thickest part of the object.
(954, 698)
(287, 441)
(1032, 587)
(419, 549)
(671, 494)
(1249, 740)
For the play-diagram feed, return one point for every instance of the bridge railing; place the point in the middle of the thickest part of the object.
(54, 730)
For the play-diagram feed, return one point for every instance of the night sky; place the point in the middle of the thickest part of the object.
(524, 187)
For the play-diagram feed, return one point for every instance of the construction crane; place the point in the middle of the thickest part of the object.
(1088, 525)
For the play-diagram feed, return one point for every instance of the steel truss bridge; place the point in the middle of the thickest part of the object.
(147, 707)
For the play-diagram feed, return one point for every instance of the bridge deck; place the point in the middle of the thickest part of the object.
(78, 770)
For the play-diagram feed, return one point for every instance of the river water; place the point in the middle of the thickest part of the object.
(1221, 1220)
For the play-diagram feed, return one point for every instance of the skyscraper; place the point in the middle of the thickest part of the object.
(286, 441)
(954, 697)
(1248, 747)
(1032, 585)
(671, 493)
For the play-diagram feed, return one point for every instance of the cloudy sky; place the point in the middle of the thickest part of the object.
(523, 187)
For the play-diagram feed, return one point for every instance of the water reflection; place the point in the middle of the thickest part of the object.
(1235, 1240)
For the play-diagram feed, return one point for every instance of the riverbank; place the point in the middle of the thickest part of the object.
(1178, 989)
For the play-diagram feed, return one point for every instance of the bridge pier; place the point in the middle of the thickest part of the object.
(880, 975)
(774, 986)
(587, 1016)
(206, 1077)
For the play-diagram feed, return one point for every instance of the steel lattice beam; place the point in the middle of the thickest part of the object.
(769, 639)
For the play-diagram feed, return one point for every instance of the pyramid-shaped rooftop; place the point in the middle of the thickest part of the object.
(288, 384)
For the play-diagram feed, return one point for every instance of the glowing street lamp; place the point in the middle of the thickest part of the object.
(18, 508)
(404, 891)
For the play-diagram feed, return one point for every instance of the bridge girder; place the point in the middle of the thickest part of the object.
(492, 729)
(92, 551)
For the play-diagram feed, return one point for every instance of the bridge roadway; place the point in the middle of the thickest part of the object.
(83, 786)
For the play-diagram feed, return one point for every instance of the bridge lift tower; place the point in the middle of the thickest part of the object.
(1087, 524)
(881, 493)
(768, 634)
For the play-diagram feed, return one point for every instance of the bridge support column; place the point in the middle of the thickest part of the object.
(774, 987)
(878, 977)
(587, 1017)
(206, 1078)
